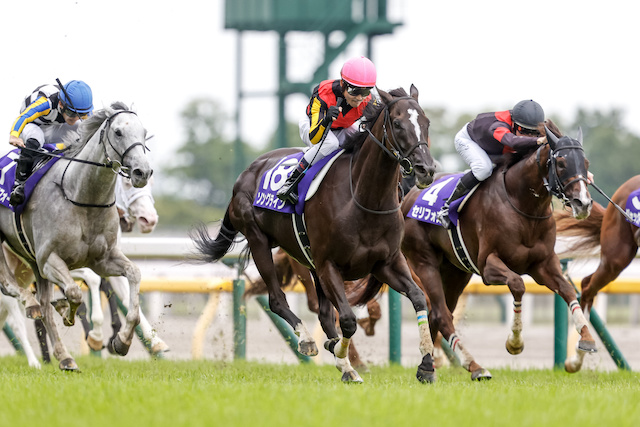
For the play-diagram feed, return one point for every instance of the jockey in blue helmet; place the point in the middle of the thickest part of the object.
(47, 115)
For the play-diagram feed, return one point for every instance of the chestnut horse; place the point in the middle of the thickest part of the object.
(354, 224)
(617, 238)
(508, 230)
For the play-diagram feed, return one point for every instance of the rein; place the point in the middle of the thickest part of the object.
(395, 153)
(116, 166)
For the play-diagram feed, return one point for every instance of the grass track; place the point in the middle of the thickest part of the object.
(117, 392)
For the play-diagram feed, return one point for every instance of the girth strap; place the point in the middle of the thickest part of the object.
(460, 250)
(24, 241)
(300, 229)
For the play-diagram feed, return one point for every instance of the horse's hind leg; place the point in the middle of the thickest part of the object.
(277, 300)
(398, 276)
(326, 278)
(443, 302)
(16, 320)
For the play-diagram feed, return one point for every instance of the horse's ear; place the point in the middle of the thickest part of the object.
(110, 111)
(413, 91)
(551, 138)
(386, 98)
(579, 138)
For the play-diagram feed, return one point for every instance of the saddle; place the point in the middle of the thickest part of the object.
(42, 164)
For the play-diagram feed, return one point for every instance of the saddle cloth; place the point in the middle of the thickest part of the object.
(273, 179)
(432, 198)
(633, 207)
(8, 174)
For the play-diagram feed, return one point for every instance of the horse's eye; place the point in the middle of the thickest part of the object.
(118, 133)
(397, 124)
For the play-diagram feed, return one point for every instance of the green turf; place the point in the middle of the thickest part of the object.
(118, 392)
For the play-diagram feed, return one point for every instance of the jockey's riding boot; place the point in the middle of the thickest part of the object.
(23, 171)
(289, 190)
(466, 183)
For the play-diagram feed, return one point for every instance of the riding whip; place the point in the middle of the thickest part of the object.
(624, 214)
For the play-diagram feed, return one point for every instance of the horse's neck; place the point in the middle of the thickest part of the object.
(86, 183)
(375, 177)
(525, 182)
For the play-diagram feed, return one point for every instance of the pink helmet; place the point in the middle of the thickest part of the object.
(359, 72)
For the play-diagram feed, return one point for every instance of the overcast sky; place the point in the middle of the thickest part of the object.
(464, 55)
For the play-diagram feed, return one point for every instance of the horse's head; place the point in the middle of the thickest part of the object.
(124, 143)
(407, 128)
(568, 170)
(136, 205)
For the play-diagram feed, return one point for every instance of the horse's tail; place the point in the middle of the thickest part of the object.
(364, 292)
(211, 250)
(586, 230)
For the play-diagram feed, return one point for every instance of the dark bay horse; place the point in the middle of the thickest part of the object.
(508, 230)
(354, 224)
(71, 221)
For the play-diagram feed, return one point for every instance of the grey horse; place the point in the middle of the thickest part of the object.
(71, 221)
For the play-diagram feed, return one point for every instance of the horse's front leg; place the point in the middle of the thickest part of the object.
(331, 287)
(45, 294)
(397, 275)
(550, 274)
(95, 338)
(495, 272)
(157, 346)
(119, 265)
(56, 270)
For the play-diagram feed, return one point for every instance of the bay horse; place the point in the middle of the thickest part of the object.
(507, 229)
(617, 238)
(71, 221)
(354, 224)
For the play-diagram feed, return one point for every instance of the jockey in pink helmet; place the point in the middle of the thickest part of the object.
(334, 109)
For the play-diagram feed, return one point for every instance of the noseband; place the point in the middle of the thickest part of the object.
(396, 152)
(116, 166)
(554, 184)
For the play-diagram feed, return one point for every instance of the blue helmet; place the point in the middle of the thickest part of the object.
(80, 98)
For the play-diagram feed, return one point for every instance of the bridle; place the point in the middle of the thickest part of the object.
(395, 152)
(115, 165)
(552, 182)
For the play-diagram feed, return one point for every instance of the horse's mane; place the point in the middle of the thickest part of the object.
(371, 112)
(509, 159)
(89, 127)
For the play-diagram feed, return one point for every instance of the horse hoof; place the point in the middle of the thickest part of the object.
(512, 349)
(571, 366)
(480, 374)
(308, 348)
(159, 348)
(94, 344)
(426, 372)
(33, 312)
(116, 346)
(587, 346)
(69, 365)
(352, 377)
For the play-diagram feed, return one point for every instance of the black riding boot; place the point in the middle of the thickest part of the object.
(23, 171)
(289, 190)
(466, 183)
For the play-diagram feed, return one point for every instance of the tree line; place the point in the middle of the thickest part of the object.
(197, 185)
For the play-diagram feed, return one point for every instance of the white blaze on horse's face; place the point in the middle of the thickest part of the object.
(586, 203)
(413, 118)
